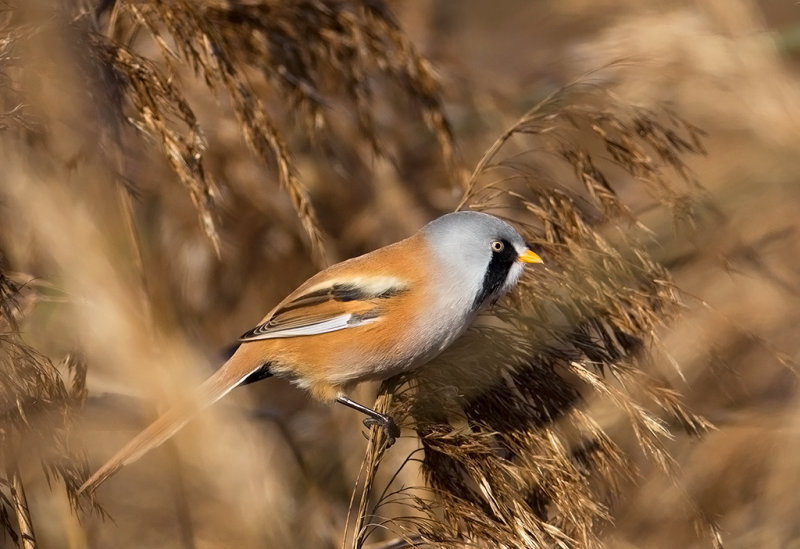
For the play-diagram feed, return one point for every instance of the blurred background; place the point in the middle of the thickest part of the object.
(143, 263)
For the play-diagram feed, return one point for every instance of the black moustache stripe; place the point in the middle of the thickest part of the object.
(496, 273)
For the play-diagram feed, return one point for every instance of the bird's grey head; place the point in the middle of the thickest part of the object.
(480, 253)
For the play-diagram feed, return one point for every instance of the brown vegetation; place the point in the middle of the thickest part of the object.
(170, 169)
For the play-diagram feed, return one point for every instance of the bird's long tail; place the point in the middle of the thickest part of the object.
(234, 372)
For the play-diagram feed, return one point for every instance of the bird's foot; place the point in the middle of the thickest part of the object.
(390, 429)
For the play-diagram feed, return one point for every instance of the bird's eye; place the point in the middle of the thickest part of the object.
(498, 246)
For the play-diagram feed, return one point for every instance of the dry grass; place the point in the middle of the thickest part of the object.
(39, 403)
(510, 454)
(170, 169)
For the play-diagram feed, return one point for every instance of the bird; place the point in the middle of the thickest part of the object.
(367, 318)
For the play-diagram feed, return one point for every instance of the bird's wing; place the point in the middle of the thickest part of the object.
(335, 305)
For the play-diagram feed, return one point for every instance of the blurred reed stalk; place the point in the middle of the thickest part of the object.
(27, 539)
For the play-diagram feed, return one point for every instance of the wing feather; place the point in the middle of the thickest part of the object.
(335, 306)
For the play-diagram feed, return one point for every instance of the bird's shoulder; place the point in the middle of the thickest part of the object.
(378, 273)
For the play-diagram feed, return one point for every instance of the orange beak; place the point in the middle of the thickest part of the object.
(529, 257)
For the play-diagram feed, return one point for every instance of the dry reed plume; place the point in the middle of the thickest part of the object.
(510, 453)
(574, 412)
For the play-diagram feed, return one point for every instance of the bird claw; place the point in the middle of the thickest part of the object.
(390, 429)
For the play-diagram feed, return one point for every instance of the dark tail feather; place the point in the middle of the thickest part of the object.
(262, 372)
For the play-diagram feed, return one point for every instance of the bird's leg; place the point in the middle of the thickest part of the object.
(390, 428)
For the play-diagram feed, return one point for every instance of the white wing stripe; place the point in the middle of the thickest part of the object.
(333, 324)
